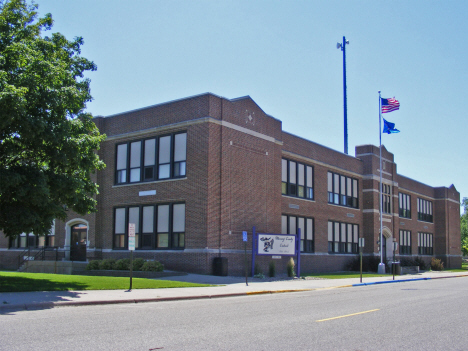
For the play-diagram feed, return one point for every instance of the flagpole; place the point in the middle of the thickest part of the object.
(381, 269)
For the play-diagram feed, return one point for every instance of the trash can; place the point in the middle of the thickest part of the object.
(220, 266)
(396, 268)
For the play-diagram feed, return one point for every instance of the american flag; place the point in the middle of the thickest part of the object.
(389, 105)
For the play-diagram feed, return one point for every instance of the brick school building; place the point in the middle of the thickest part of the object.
(193, 174)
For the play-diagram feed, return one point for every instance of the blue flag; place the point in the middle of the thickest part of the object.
(389, 127)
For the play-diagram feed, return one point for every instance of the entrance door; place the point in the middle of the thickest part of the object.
(78, 242)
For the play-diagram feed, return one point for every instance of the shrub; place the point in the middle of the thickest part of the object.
(92, 265)
(369, 264)
(437, 264)
(272, 269)
(107, 264)
(257, 269)
(406, 262)
(290, 267)
(138, 263)
(122, 264)
(152, 266)
(421, 263)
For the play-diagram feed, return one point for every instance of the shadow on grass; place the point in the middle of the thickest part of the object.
(20, 284)
(15, 295)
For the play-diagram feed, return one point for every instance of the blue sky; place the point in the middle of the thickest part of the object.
(283, 54)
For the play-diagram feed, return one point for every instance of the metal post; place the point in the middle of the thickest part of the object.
(245, 262)
(298, 252)
(344, 98)
(345, 107)
(253, 250)
(381, 269)
(131, 269)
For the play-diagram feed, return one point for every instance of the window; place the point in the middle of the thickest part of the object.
(386, 198)
(405, 242)
(342, 237)
(33, 241)
(342, 190)
(156, 226)
(297, 179)
(404, 205)
(424, 210)
(425, 246)
(290, 224)
(151, 159)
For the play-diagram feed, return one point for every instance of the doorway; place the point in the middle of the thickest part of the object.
(78, 240)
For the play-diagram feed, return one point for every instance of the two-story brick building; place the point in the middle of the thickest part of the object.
(192, 174)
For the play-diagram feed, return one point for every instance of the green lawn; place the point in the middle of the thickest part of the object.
(344, 275)
(16, 282)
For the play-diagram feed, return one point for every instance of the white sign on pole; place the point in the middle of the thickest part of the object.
(131, 236)
(276, 244)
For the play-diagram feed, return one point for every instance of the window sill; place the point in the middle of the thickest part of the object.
(151, 182)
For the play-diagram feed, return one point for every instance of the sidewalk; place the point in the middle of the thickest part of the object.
(227, 287)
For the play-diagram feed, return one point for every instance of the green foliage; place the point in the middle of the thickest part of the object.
(122, 264)
(464, 227)
(421, 263)
(272, 269)
(436, 264)
(138, 263)
(290, 267)
(107, 264)
(369, 264)
(47, 141)
(257, 269)
(153, 266)
(92, 265)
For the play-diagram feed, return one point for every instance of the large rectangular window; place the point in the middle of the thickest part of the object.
(164, 157)
(297, 179)
(291, 224)
(159, 226)
(343, 237)
(342, 190)
(425, 244)
(404, 205)
(386, 198)
(405, 242)
(425, 210)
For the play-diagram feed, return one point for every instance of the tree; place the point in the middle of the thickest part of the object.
(47, 142)
(464, 227)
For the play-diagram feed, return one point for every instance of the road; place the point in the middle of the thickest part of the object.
(421, 315)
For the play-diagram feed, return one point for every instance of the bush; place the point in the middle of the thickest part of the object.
(122, 264)
(92, 265)
(407, 261)
(421, 263)
(107, 264)
(272, 269)
(257, 269)
(290, 267)
(437, 264)
(152, 266)
(369, 264)
(138, 263)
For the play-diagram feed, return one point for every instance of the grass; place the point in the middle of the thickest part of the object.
(17, 282)
(344, 275)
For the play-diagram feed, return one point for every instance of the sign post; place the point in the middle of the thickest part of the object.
(361, 247)
(131, 247)
(244, 239)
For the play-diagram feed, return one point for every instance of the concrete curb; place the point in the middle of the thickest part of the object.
(45, 305)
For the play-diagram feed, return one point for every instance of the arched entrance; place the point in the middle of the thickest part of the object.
(78, 241)
(387, 244)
